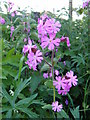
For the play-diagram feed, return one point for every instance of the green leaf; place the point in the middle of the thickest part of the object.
(33, 26)
(62, 114)
(20, 87)
(70, 99)
(28, 112)
(21, 71)
(75, 112)
(10, 52)
(38, 102)
(20, 67)
(5, 108)
(34, 36)
(45, 67)
(20, 27)
(48, 106)
(49, 83)
(9, 70)
(6, 95)
(17, 20)
(11, 59)
(35, 81)
(9, 114)
(26, 100)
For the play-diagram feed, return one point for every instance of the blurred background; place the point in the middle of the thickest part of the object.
(55, 6)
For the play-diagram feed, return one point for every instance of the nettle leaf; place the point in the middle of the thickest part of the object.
(49, 83)
(11, 59)
(75, 112)
(9, 70)
(35, 81)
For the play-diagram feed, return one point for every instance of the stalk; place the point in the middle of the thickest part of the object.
(52, 68)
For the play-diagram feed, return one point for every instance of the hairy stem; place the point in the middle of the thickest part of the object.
(53, 74)
(48, 63)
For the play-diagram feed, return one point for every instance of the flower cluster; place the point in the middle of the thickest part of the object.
(2, 21)
(47, 29)
(10, 5)
(34, 55)
(85, 4)
(63, 84)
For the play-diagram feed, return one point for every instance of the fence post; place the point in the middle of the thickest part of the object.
(70, 9)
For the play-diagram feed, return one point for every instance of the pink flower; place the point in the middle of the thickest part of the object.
(71, 79)
(28, 47)
(68, 42)
(41, 29)
(14, 13)
(56, 107)
(57, 72)
(65, 90)
(34, 55)
(12, 29)
(59, 83)
(85, 4)
(31, 65)
(2, 21)
(63, 39)
(35, 58)
(45, 75)
(47, 26)
(10, 6)
(51, 26)
(43, 17)
(25, 39)
(50, 42)
(50, 75)
(64, 63)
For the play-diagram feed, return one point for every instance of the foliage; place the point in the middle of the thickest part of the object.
(25, 93)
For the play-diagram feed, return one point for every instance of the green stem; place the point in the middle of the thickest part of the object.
(53, 75)
(85, 96)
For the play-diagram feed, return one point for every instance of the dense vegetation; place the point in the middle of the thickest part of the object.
(25, 92)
